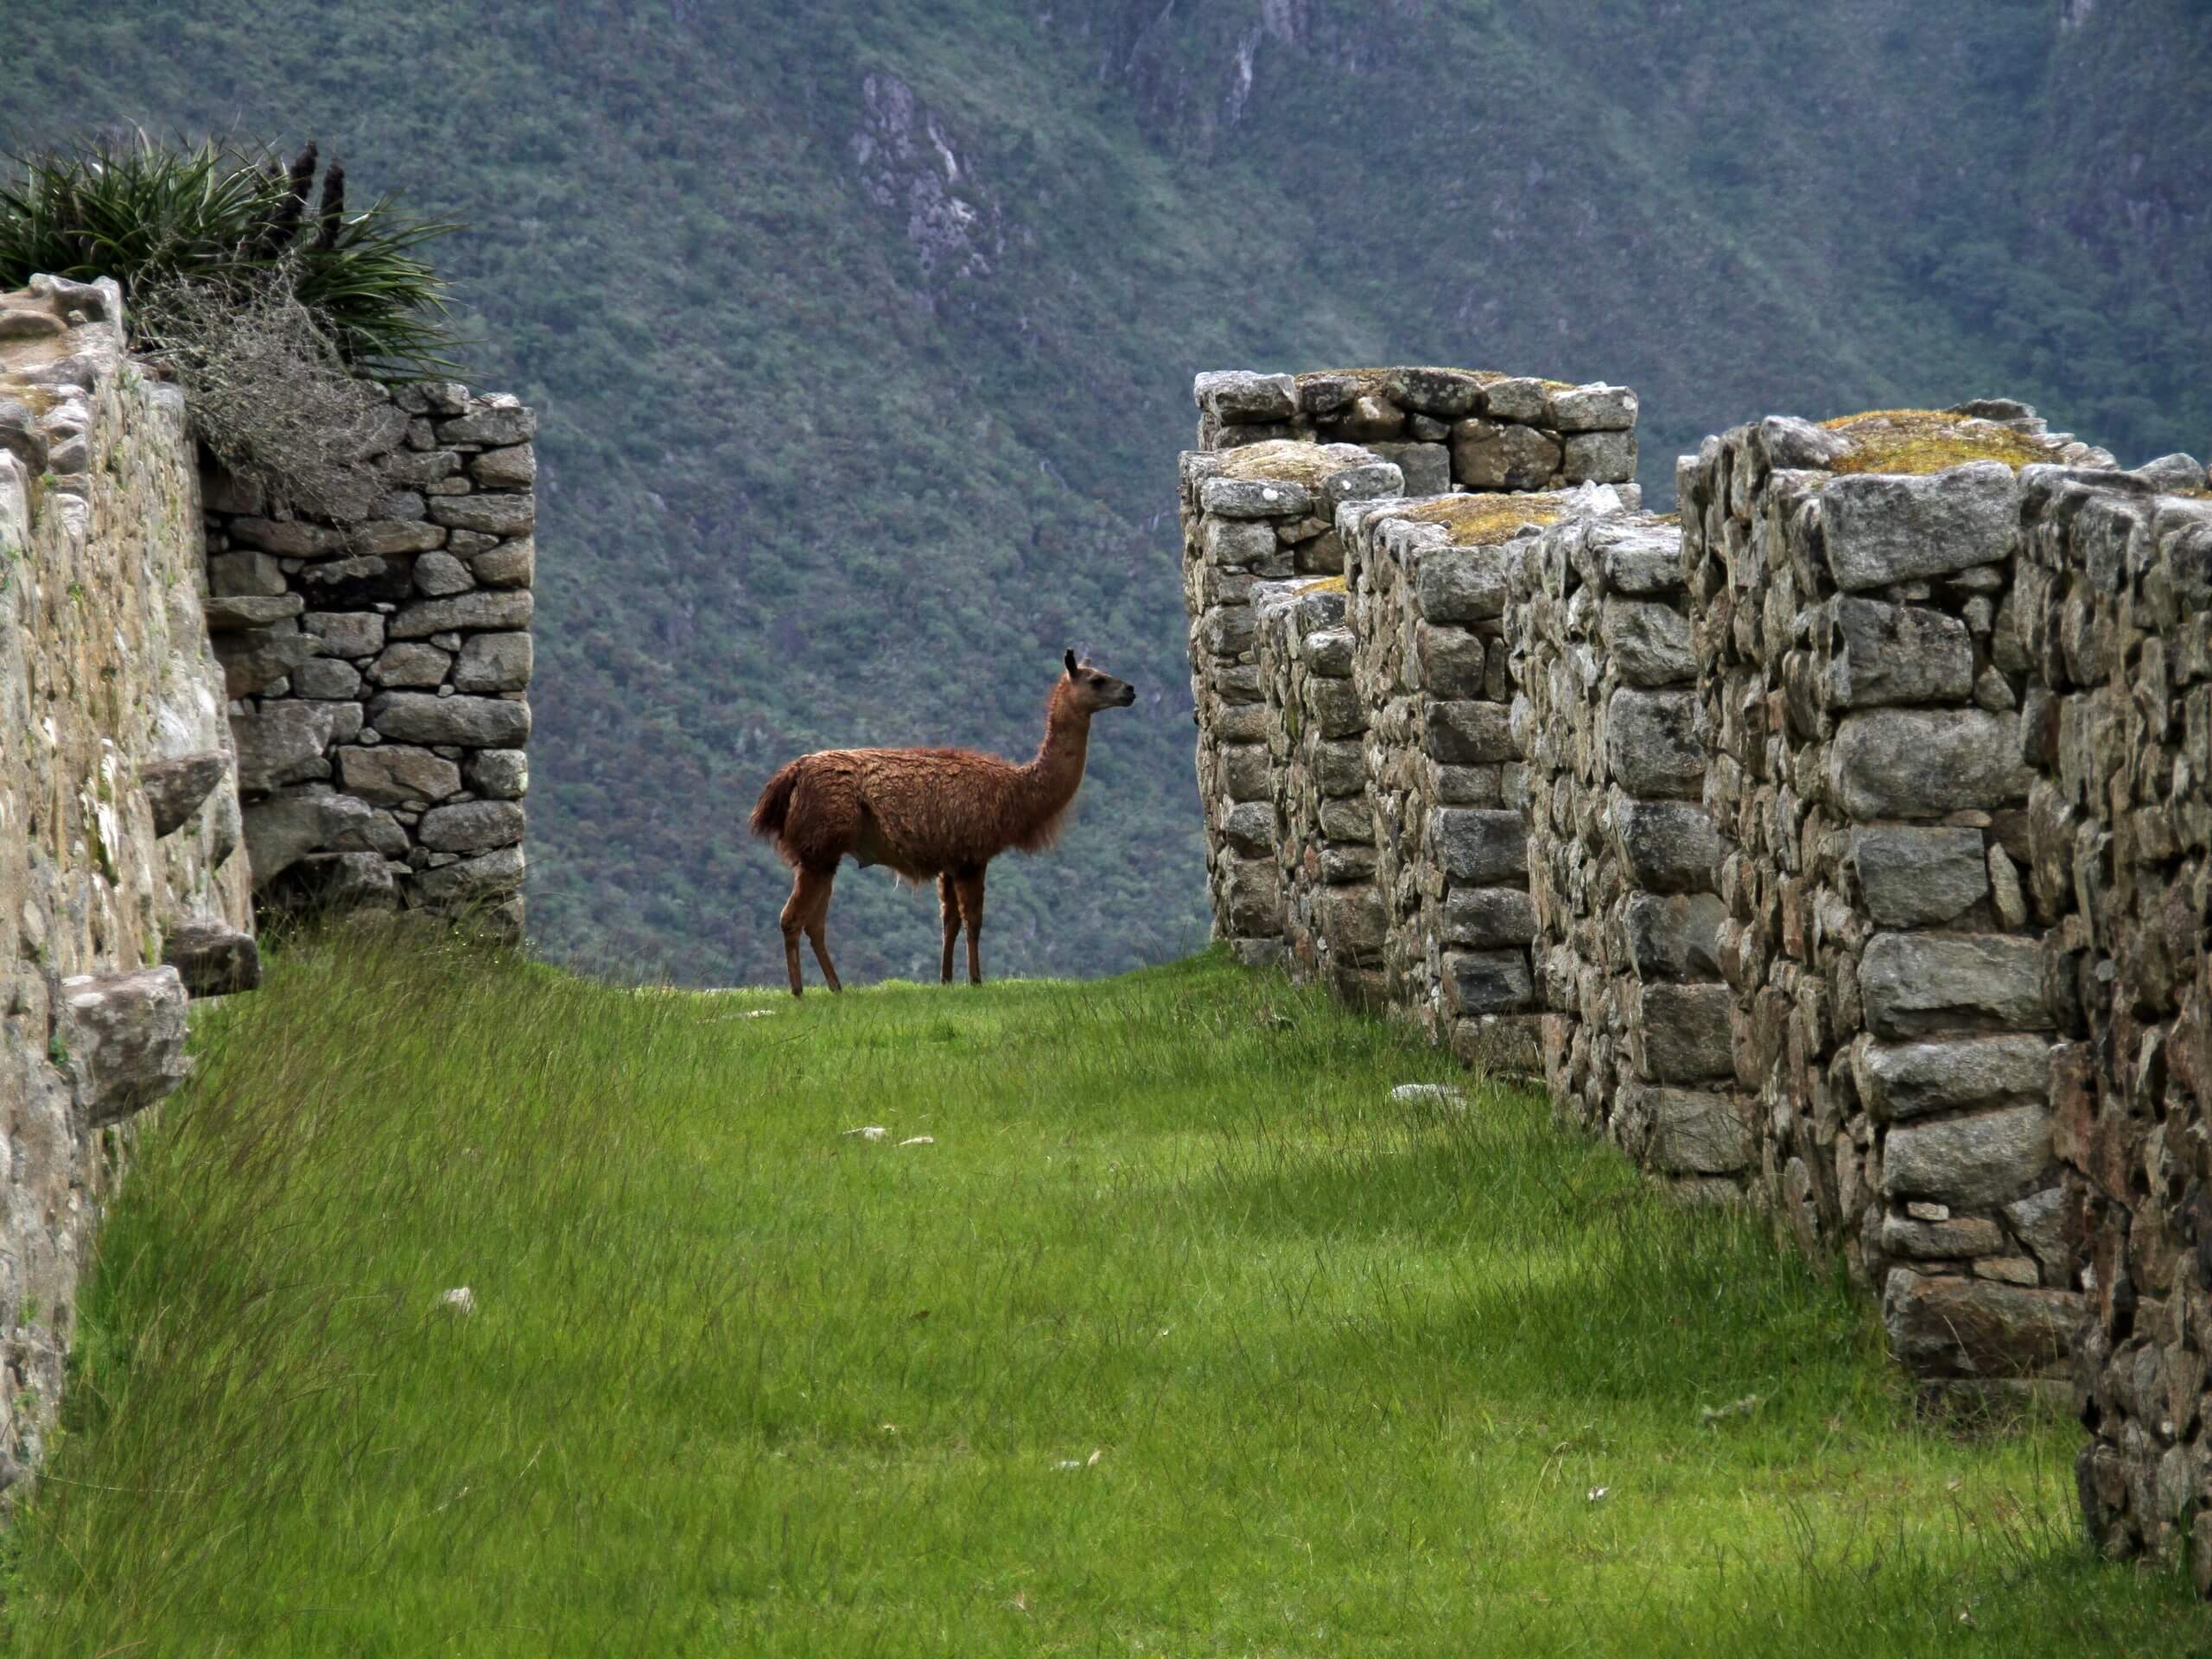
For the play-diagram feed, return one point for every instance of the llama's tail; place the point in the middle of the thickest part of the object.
(775, 803)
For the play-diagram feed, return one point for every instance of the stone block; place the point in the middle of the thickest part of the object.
(500, 774)
(255, 661)
(493, 662)
(1682, 1033)
(411, 664)
(1882, 654)
(505, 609)
(235, 574)
(1451, 661)
(1918, 876)
(174, 789)
(1468, 734)
(514, 467)
(1904, 1080)
(1914, 983)
(1464, 584)
(1670, 936)
(495, 513)
(1598, 458)
(1444, 394)
(1427, 467)
(1240, 396)
(1883, 528)
(1492, 454)
(437, 575)
(471, 826)
(512, 564)
(1593, 408)
(1255, 499)
(1694, 1131)
(1647, 642)
(1945, 1326)
(1655, 743)
(1488, 981)
(471, 722)
(1251, 897)
(356, 583)
(1479, 846)
(238, 613)
(394, 774)
(346, 633)
(1969, 1162)
(388, 537)
(1666, 846)
(123, 1035)
(1519, 398)
(1250, 828)
(280, 742)
(1489, 918)
(329, 678)
(1925, 763)
(212, 957)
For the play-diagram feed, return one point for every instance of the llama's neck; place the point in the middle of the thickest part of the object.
(1049, 782)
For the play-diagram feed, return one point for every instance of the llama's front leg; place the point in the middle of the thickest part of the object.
(949, 903)
(818, 929)
(969, 886)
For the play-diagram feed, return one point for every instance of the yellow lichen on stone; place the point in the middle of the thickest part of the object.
(1323, 585)
(1919, 441)
(1485, 520)
(1284, 459)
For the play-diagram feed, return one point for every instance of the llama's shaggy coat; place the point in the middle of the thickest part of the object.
(927, 813)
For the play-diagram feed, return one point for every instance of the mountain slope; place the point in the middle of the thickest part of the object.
(864, 341)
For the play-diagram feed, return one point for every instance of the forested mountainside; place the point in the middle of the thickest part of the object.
(864, 332)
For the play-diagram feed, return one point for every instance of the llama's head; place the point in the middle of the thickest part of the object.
(1092, 688)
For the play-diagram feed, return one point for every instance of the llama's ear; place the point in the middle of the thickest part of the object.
(1069, 660)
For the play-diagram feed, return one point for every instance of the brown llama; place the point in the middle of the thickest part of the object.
(945, 813)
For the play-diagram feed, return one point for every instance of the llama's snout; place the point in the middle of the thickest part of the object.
(1128, 695)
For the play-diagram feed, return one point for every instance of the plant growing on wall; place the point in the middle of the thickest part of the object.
(278, 310)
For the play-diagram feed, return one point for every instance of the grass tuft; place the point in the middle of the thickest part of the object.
(1177, 1336)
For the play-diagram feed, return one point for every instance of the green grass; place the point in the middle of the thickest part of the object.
(1179, 1339)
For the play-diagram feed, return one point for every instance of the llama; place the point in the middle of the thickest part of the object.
(945, 813)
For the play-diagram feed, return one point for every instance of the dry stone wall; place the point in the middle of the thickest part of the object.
(1846, 839)
(2115, 614)
(379, 671)
(122, 877)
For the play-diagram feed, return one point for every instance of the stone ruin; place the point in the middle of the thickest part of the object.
(209, 706)
(1838, 845)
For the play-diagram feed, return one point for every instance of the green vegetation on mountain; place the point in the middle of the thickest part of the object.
(1150, 1322)
(864, 332)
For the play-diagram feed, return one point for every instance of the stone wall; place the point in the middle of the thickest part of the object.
(123, 881)
(2115, 619)
(1623, 856)
(1851, 834)
(378, 672)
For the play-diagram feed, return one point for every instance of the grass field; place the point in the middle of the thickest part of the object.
(1176, 1336)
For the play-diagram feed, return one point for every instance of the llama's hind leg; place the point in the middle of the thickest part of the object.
(793, 922)
(818, 928)
(948, 900)
(968, 884)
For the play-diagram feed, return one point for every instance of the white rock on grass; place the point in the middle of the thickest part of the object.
(869, 1132)
(459, 1299)
(1438, 1094)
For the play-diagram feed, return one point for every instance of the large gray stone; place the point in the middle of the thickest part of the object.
(1255, 499)
(282, 742)
(1681, 1033)
(1925, 763)
(495, 513)
(1915, 875)
(471, 881)
(1242, 397)
(327, 678)
(1488, 981)
(472, 722)
(174, 789)
(514, 467)
(1880, 654)
(493, 662)
(512, 564)
(1655, 743)
(411, 664)
(1489, 918)
(1451, 661)
(1913, 983)
(504, 608)
(1943, 1326)
(1671, 936)
(396, 774)
(1969, 1162)
(1442, 394)
(1694, 1131)
(471, 826)
(1427, 467)
(1467, 734)
(1647, 642)
(210, 957)
(236, 612)
(1667, 845)
(1489, 455)
(123, 1037)
(1903, 1080)
(1593, 408)
(284, 829)
(1883, 527)
(1480, 846)
(1634, 557)
(1598, 458)
(254, 661)
(437, 575)
(491, 424)
(346, 633)
(356, 583)
(1250, 828)
(500, 774)
(1464, 584)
